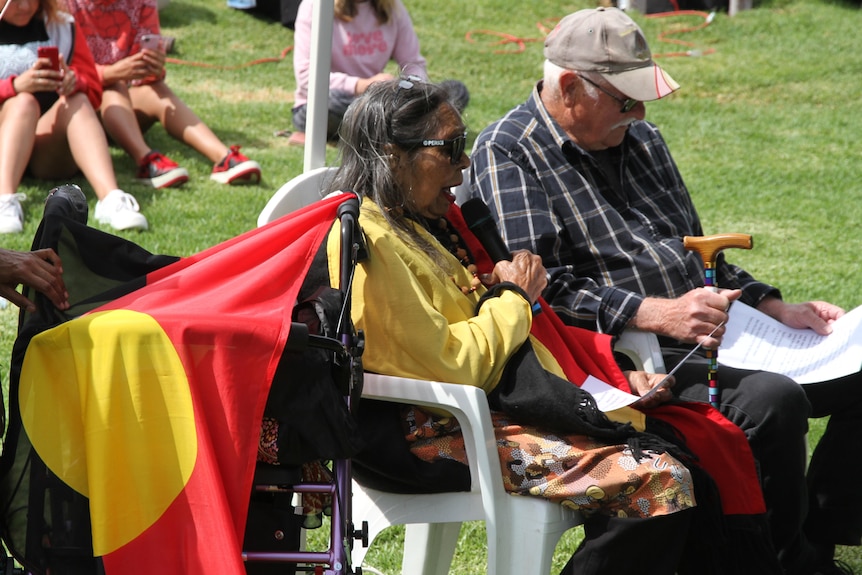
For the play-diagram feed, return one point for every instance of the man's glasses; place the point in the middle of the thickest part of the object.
(627, 103)
(456, 146)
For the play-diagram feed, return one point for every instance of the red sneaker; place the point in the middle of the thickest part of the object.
(159, 171)
(235, 168)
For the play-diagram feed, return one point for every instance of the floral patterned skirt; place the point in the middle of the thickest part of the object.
(574, 470)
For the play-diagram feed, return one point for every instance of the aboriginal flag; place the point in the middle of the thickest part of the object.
(144, 401)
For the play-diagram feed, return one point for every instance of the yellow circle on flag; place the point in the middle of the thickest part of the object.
(106, 403)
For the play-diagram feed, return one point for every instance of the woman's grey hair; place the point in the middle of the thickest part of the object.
(396, 113)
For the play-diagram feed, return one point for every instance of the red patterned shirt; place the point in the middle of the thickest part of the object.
(113, 28)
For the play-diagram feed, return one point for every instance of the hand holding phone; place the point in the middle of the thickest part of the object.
(154, 65)
(52, 54)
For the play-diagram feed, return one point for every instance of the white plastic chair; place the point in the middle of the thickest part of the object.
(522, 532)
(298, 192)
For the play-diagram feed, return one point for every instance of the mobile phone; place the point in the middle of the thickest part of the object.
(151, 42)
(52, 54)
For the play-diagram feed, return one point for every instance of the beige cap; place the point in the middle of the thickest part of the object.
(607, 41)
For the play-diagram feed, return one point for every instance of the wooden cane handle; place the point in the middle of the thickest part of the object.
(709, 246)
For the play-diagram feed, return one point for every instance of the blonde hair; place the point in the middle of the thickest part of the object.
(49, 9)
(345, 10)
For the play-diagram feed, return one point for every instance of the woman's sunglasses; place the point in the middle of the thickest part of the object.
(455, 146)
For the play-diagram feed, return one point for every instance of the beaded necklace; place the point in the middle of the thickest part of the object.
(450, 239)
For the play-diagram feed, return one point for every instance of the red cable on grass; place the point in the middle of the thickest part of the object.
(511, 38)
(546, 26)
(664, 36)
(521, 43)
(283, 55)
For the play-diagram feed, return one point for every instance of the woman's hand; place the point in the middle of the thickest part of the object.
(40, 78)
(125, 70)
(140, 66)
(363, 83)
(525, 271)
(69, 80)
(154, 61)
(642, 383)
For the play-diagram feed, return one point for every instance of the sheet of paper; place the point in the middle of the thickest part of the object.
(754, 340)
(607, 397)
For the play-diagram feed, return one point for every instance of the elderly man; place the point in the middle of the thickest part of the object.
(576, 175)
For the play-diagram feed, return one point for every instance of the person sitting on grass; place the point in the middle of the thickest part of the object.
(48, 123)
(366, 35)
(137, 96)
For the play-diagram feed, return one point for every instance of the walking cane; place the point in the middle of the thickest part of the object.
(708, 247)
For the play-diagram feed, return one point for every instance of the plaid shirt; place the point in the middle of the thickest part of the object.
(605, 251)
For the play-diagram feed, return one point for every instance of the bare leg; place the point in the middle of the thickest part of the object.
(68, 137)
(121, 123)
(18, 118)
(157, 102)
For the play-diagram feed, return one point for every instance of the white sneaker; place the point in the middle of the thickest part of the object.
(11, 214)
(121, 211)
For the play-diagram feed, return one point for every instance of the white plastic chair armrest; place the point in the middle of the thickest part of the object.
(642, 348)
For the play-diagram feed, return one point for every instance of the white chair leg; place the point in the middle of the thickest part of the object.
(429, 548)
(524, 543)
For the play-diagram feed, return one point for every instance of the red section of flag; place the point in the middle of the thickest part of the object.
(228, 312)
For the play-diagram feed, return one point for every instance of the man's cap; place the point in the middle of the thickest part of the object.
(607, 41)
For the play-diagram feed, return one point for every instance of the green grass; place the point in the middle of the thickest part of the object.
(765, 131)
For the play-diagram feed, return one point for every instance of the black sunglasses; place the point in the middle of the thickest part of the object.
(456, 146)
(627, 103)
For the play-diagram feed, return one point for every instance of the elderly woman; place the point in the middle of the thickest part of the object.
(427, 316)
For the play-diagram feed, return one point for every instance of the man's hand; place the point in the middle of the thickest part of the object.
(817, 315)
(641, 383)
(41, 270)
(689, 318)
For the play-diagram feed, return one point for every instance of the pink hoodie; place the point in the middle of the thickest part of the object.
(361, 48)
